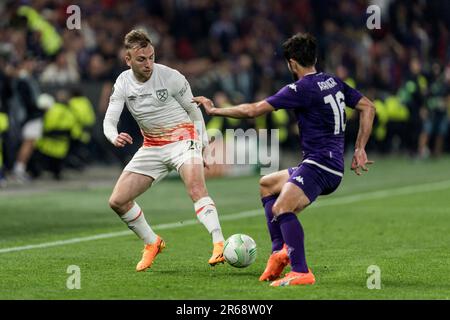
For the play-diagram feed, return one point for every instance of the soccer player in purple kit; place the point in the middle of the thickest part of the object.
(318, 100)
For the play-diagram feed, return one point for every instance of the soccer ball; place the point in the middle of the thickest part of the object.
(239, 250)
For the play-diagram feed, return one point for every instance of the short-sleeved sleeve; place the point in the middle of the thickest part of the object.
(352, 96)
(289, 97)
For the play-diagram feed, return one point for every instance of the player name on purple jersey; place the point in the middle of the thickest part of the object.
(318, 101)
(327, 84)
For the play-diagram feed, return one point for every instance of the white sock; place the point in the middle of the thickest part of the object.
(19, 167)
(207, 214)
(135, 220)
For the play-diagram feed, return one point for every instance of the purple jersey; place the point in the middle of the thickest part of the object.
(318, 101)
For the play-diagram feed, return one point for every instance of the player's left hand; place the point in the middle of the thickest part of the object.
(360, 161)
(206, 103)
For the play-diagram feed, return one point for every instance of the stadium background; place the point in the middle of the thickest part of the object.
(231, 51)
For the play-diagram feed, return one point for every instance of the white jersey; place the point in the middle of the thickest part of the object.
(162, 106)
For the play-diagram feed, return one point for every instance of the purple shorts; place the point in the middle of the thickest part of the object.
(313, 180)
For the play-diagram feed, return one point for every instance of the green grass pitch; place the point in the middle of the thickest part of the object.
(397, 217)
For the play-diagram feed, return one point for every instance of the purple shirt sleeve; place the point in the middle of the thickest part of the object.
(352, 96)
(289, 97)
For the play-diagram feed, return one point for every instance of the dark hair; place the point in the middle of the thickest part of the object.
(302, 48)
(137, 39)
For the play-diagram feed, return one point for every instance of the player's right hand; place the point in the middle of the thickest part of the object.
(122, 139)
(206, 103)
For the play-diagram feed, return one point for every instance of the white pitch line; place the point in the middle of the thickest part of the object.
(442, 185)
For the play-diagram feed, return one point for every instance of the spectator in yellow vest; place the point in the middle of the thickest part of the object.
(60, 127)
(80, 106)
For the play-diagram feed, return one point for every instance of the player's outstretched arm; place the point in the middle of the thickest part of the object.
(366, 115)
(246, 110)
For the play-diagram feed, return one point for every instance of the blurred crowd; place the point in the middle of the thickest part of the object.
(228, 50)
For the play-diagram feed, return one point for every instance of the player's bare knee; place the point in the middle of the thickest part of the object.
(265, 186)
(276, 211)
(113, 204)
(279, 209)
(116, 204)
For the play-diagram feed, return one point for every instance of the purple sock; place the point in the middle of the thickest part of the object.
(273, 226)
(294, 238)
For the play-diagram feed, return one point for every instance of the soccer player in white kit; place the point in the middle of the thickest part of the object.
(160, 100)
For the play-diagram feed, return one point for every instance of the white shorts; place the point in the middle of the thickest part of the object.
(32, 130)
(157, 162)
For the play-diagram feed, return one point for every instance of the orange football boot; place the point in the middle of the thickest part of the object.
(295, 278)
(149, 253)
(275, 265)
(217, 255)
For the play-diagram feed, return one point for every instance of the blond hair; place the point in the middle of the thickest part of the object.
(136, 39)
